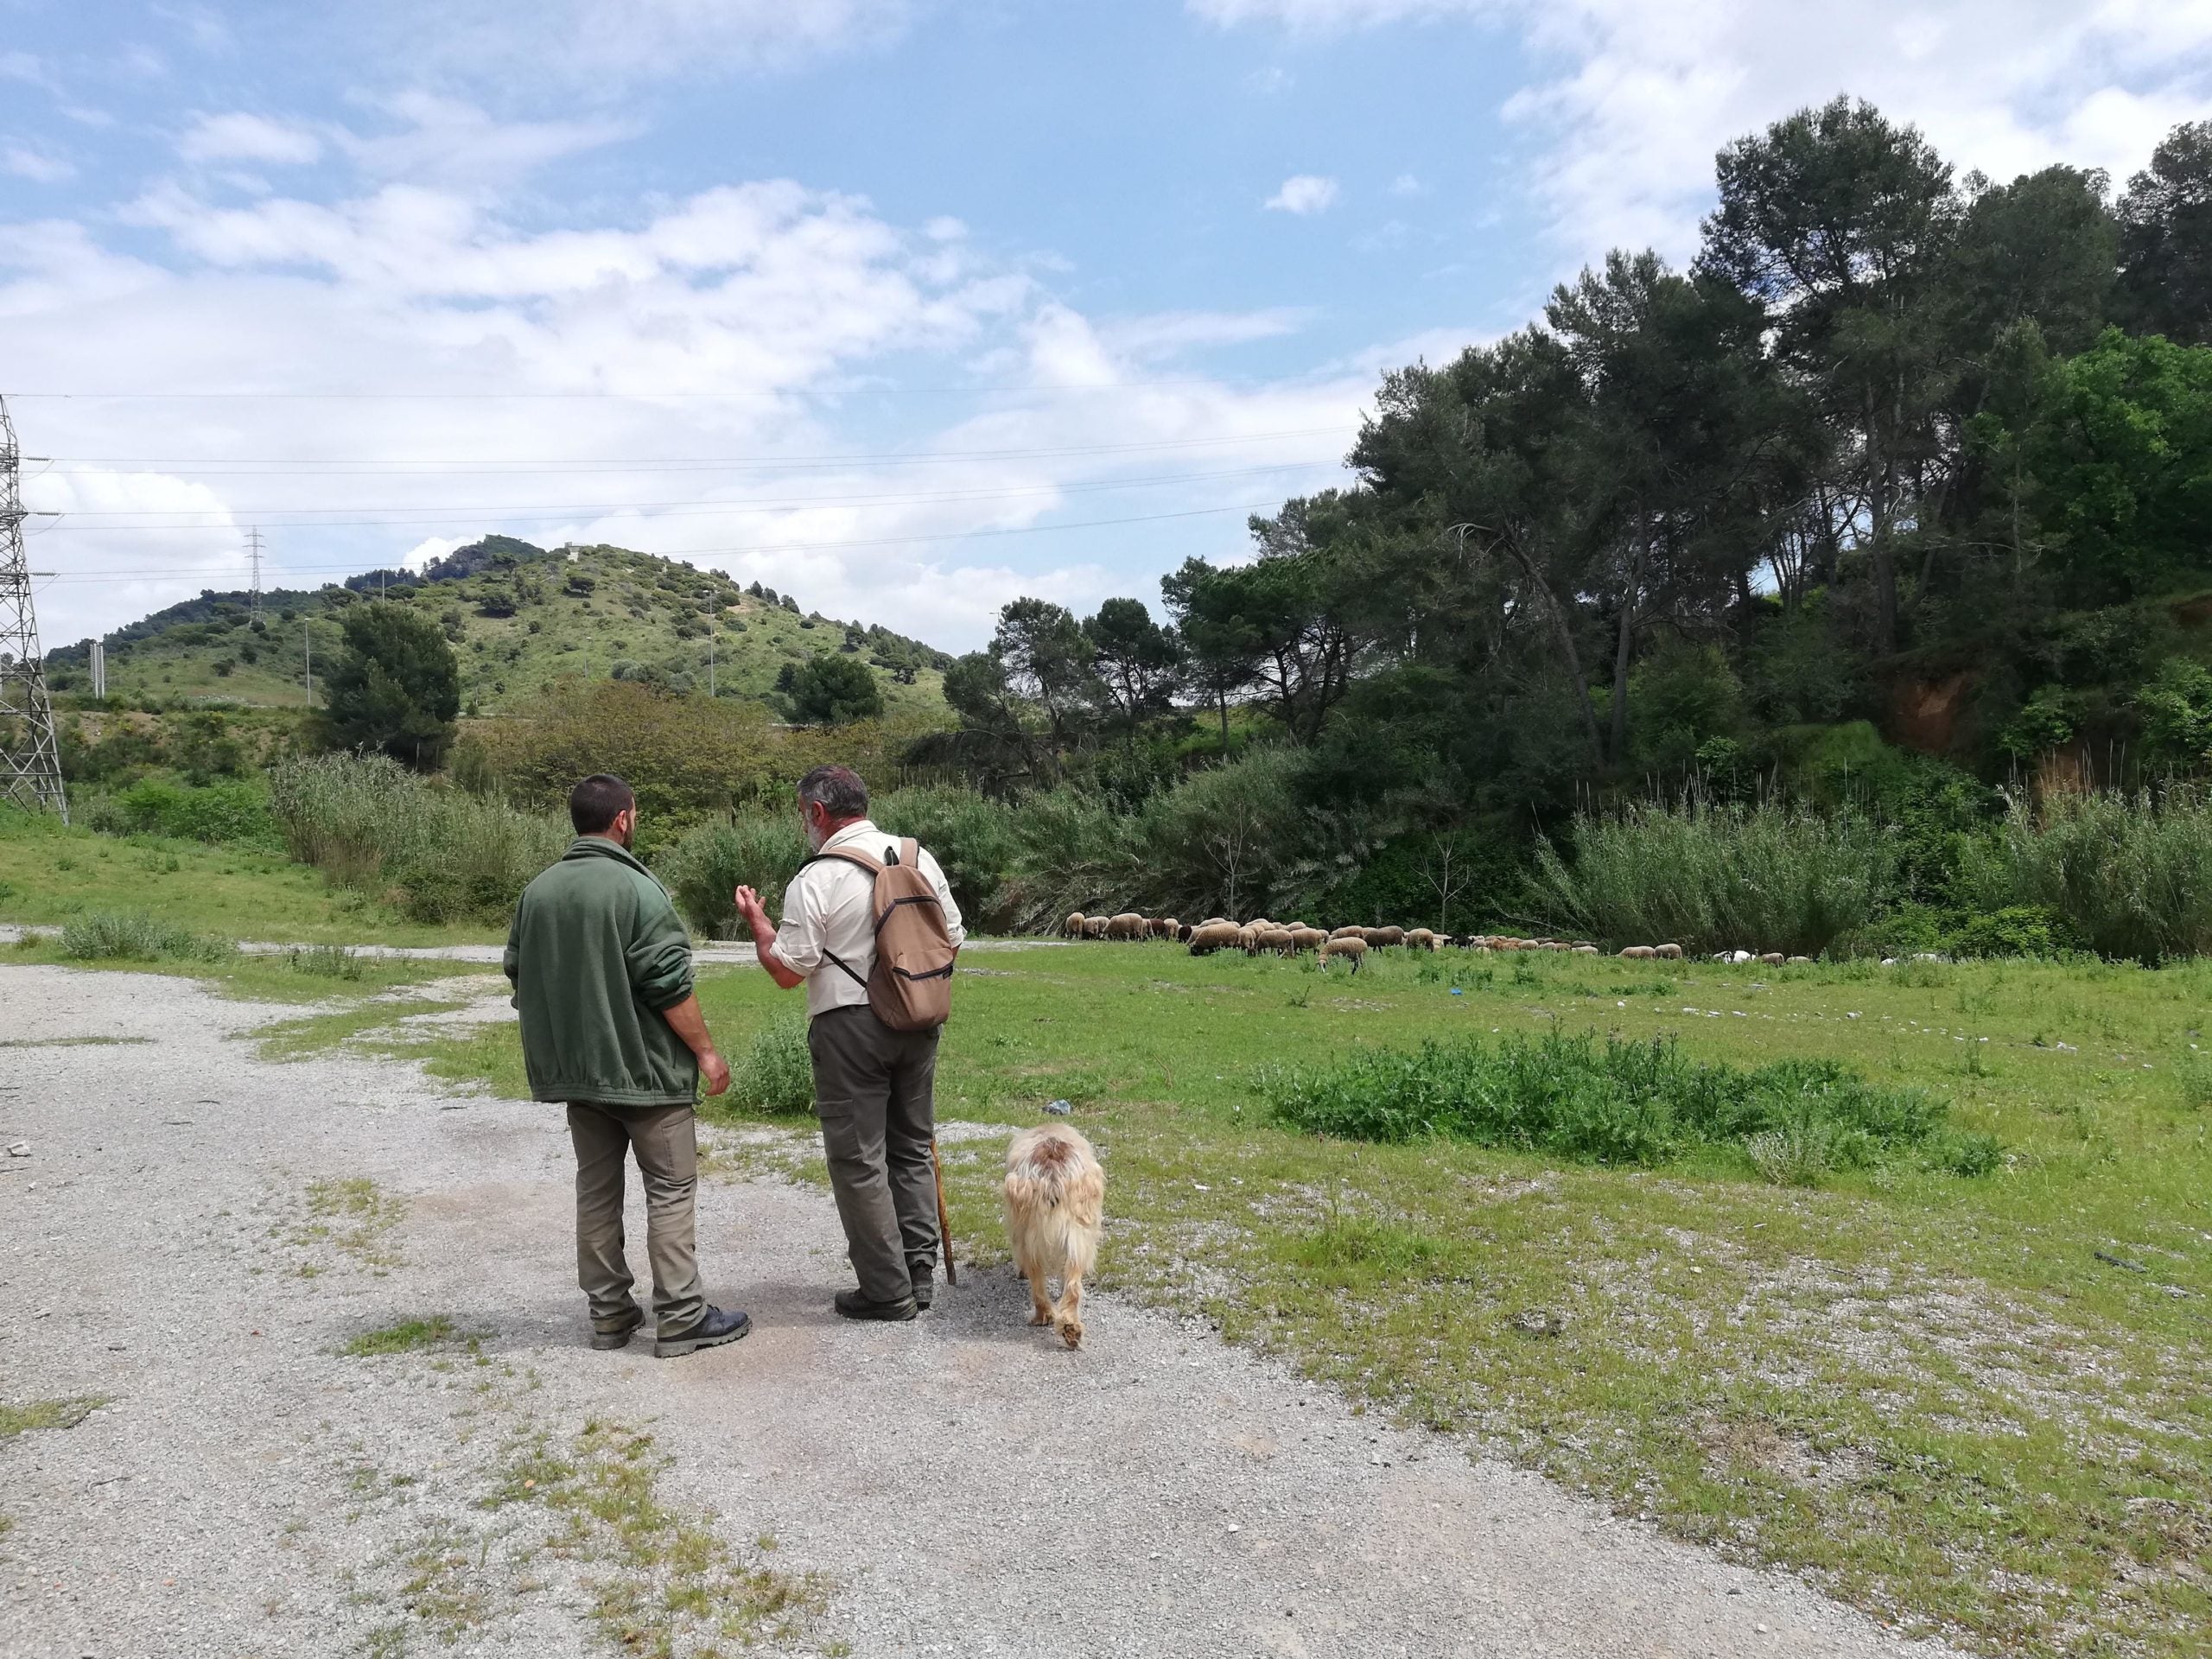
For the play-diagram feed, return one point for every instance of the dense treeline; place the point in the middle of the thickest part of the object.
(1901, 452)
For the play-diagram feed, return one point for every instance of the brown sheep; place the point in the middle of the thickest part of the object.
(1638, 952)
(1307, 938)
(1351, 950)
(1073, 927)
(1183, 933)
(1094, 927)
(1166, 927)
(1348, 933)
(1771, 958)
(1213, 921)
(1259, 940)
(1214, 936)
(1127, 925)
(1392, 936)
(1420, 938)
(1667, 952)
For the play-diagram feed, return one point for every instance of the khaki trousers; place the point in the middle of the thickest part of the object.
(665, 1142)
(874, 1091)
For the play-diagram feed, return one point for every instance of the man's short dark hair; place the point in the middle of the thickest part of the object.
(838, 789)
(595, 804)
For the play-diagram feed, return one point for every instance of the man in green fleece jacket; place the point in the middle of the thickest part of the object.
(601, 967)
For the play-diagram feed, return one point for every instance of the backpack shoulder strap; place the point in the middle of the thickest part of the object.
(910, 852)
(849, 856)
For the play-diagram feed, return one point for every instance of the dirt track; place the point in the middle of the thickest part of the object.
(961, 1486)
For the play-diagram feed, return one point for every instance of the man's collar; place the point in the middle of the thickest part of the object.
(859, 827)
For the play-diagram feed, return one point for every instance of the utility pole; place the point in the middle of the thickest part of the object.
(710, 667)
(30, 761)
(253, 552)
(100, 669)
(306, 646)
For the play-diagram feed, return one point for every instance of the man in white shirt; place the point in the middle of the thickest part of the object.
(873, 1087)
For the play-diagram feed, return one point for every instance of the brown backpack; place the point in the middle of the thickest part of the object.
(910, 987)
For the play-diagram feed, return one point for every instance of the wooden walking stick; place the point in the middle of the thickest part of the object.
(944, 1220)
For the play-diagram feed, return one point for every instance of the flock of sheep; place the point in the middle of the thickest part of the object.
(1351, 944)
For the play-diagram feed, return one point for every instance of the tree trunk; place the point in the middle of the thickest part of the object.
(1574, 657)
(1624, 648)
(1221, 698)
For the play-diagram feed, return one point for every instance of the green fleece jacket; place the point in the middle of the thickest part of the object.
(595, 953)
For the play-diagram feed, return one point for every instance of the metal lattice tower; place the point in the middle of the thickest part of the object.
(253, 552)
(30, 761)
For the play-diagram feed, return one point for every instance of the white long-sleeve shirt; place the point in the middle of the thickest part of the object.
(830, 910)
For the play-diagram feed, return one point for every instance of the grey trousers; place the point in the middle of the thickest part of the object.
(874, 1089)
(665, 1140)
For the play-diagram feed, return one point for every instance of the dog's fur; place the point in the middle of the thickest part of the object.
(1055, 1195)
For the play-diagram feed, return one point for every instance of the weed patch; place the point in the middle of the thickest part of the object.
(404, 1337)
(1640, 1103)
(48, 1414)
(109, 935)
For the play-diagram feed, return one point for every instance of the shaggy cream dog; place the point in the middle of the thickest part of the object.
(1055, 1192)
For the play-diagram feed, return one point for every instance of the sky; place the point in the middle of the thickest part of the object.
(907, 308)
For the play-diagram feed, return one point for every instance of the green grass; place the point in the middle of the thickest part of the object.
(56, 874)
(402, 1337)
(1922, 1390)
(47, 1414)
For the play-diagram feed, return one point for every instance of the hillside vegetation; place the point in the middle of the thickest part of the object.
(520, 617)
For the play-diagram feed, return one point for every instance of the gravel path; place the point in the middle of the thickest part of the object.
(961, 1485)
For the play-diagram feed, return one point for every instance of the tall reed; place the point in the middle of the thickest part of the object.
(2131, 873)
(437, 852)
(1714, 876)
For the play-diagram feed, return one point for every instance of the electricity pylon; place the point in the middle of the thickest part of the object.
(253, 552)
(30, 761)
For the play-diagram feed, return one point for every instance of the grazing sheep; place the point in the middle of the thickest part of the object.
(1166, 927)
(1354, 933)
(1771, 958)
(1213, 921)
(1260, 939)
(1794, 961)
(1351, 950)
(1420, 938)
(1667, 952)
(1214, 936)
(1392, 936)
(1307, 938)
(1073, 927)
(1128, 925)
(1094, 927)
(1586, 949)
(1638, 952)
(1183, 933)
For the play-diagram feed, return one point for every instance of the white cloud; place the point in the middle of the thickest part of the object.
(597, 45)
(1651, 89)
(447, 141)
(1635, 96)
(1303, 194)
(680, 384)
(36, 165)
(1330, 15)
(1407, 184)
(1168, 333)
(238, 136)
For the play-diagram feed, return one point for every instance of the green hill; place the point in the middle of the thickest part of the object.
(520, 617)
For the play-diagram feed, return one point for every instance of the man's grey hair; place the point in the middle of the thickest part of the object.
(838, 790)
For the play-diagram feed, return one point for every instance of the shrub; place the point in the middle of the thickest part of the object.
(756, 848)
(1711, 877)
(440, 853)
(325, 961)
(108, 935)
(2015, 931)
(776, 1074)
(1626, 1102)
(215, 812)
(2129, 874)
(974, 839)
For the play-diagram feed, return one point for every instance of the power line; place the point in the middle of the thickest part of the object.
(849, 392)
(760, 547)
(517, 512)
(282, 467)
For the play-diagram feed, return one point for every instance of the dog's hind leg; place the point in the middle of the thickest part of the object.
(1067, 1318)
(1033, 1271)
